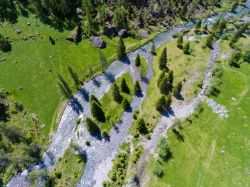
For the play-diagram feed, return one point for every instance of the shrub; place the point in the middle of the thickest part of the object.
(186, 48)
(141, 126)
(177, 89)
(180, 42)
(234, 60)
(164, 149)
(5, 45)
(158, 170)
(246, 56)
(104, 133)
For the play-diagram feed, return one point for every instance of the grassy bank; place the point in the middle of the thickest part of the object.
(214, 151)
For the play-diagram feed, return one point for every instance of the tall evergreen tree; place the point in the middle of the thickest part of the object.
(74, 76)
(124, 86)
(121, 50)
(92, 126)
(97, 112)
(138, 90)
(163, 59)
(137, 60)
(180, 42)
(186, 48)
(116, 93)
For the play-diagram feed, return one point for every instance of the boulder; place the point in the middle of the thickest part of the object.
(143, 33)
(98, 42)
(110, 31)
(18, 31)
(79, 12)
(123, 33)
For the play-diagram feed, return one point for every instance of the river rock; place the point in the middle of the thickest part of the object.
(98, 42)
(123, 33)
(18, 31)
(79, 12)
(110, 30)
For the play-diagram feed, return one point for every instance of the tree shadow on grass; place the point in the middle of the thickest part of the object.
(178, 135)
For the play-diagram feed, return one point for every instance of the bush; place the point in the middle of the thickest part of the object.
(5, 45)
(141, 126)
(234, 60)
(135, 114)
(164, 149)
(246, 56)
(186, 48)
(177, 89)
(158, 170)
(116, 94)
(104, 133)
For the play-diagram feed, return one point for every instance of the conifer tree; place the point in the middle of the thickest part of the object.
(94, 98)
(180, 42)
(121, 50)
(137, 60)
(186, 48)
(97, 111)
(138, 90)
(116, 93)
(177, 89)
(92, 126)
(163, 59)
(125, 104)
(160, 105)
(124, 86)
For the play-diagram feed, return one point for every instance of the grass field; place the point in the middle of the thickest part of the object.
(31, 67)
(215, 152)
(112, 109)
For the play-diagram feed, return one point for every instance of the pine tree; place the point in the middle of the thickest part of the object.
(137, 60)
(116, 93)
(125, 104)
(160, 105)
(166, 84)
(97, 112)
(186, 48)
(162, 75)
(180, 42)
(177, 89)
(138, 90)
(141, 126)
(92, 126)
(74, 77)
(93, 98)
(124, 86)
(163, 59)
(153, 49)
(121, 50)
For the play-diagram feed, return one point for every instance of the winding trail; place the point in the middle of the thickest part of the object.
(101, 152)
